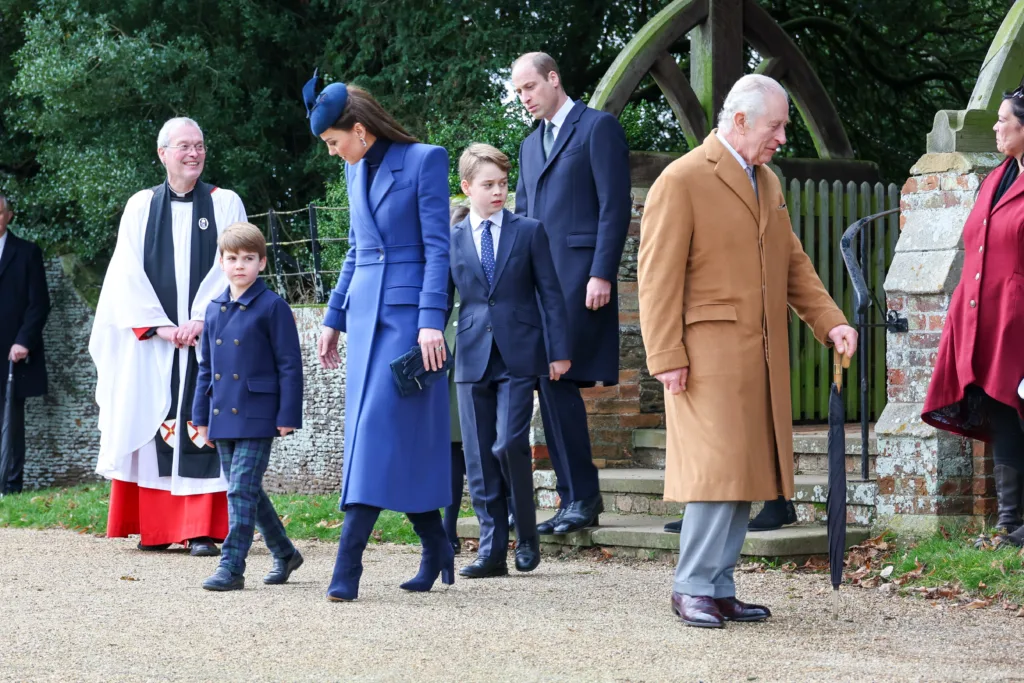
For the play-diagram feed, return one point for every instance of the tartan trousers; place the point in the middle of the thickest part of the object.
(244, 462)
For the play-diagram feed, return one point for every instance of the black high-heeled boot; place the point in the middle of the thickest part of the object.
(437, 558)
(348, 567)
(1009, 485)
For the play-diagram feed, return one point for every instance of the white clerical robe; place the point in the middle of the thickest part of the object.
(134, 377)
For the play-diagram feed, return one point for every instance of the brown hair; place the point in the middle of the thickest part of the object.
(239, 237)
(542, 62)
(478, 154)
(362, 108)
(459, 212)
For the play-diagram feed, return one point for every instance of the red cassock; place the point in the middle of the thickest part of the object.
(158, 517)
(983, 338)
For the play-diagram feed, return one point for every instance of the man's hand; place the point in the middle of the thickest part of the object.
(844, 338)
(169, 334)
(674, 380)
(285, 431)
(188, 333)
(327, 348)
(599, 293)
(18, 353)
(558, 368)
(432, 346)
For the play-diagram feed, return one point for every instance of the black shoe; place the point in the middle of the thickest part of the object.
(283, 569)
(774, 515)
(224, 580)
(153, 548)
(674, 527)
(203, 547)
(527, 554)
(580, 514)
(484, 568)
(547, 528)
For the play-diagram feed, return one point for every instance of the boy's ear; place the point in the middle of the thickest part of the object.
(263, 263)
(465, 187)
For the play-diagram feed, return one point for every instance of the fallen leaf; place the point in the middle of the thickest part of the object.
(329, 524)
(606, 554)
(285, 519)
(982, 585)
(128, 578)
(977, 604)
(377, 536)
(887, 572)
(1020, 613)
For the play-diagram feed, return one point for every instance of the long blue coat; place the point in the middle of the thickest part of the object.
(581, 195)
(393, 283)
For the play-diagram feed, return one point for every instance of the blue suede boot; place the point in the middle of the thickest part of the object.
(437, 558)
(348, 567)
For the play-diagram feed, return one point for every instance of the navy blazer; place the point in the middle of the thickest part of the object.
(250, 378)
(506, 313)
(24, 306)
(581, 194)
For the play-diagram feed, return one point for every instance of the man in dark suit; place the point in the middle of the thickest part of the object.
(24, 305)
(501, 264)
(574, 178)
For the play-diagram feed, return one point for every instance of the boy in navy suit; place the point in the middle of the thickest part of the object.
(249, 390)
(500, 264)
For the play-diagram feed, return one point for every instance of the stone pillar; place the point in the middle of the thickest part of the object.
(928, 477)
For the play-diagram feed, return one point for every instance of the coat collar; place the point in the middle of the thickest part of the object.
(255, 289)
(565, 132)
(1012, 193)
(733, 175)
(13, 244)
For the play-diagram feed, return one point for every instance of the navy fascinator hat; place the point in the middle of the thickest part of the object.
(324, 106)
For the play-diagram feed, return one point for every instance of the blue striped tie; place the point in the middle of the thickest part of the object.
(487, 251)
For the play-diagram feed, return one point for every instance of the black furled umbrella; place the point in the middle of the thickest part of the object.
(836, 502)
(7, 432)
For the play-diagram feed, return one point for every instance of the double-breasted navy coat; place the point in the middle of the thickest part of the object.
(581, 195)
(250, 375)
(393, 283)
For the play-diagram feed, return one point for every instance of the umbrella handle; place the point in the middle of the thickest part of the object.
(840, 361)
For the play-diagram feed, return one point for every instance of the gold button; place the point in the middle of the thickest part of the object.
(219, 342)
(985, 222)
(977, 276)
(216, 411)
(242, 307)
(974, 304)
(236, 342)
(223, 308)
(217, 376)
(235, 376)
(234, 411)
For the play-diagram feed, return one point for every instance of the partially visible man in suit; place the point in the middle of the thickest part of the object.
(718, 268)
(24, 305)
(574, 178)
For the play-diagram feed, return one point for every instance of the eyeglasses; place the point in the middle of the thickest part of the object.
(185, 149)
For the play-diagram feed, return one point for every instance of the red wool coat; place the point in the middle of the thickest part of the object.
(983, 339)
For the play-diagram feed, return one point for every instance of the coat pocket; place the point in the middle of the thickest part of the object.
(528, 317)
(697, 314)
(465, 323)
(402, 296)
(581, 240)
(262, 403)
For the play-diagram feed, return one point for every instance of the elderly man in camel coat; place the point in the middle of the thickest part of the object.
(718, 266)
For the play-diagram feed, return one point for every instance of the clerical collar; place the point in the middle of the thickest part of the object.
(175, 197)
(377, 150)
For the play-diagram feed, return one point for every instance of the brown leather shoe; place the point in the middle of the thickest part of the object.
(697, 610)
(732, 609)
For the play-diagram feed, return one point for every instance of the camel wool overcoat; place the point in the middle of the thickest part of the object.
(718, 269)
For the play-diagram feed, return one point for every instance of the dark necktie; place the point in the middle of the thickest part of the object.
(549, 138)
(753, 179)
(487, 250)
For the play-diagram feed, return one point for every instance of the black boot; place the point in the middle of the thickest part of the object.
(1008, 498)
(437, 558)
(774, 515)
(348, 568)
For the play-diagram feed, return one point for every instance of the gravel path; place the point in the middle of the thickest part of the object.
(75, 607)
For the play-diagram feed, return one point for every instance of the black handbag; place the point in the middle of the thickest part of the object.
(410, 375)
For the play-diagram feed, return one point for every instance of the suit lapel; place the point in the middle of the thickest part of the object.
(728, 169)
(509, 230)
(359, 208)
(760, 172)
(533, 158)
(1014, 190)
(382, 182)
(464, 242)
(568, 128)
(9, 249)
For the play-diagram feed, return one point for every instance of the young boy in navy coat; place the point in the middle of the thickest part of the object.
(249, 390)
(501, 263)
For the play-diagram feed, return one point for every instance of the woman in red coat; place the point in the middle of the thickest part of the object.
(981, 356)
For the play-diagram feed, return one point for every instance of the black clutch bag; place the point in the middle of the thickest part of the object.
(410, 375)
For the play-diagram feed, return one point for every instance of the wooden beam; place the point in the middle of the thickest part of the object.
(681, 98)
(716, 55)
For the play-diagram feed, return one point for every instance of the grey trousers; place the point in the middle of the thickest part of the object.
(709, 547)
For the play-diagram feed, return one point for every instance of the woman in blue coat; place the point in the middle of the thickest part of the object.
(391, 295)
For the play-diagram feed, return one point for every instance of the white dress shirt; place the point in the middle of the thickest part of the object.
(475, 222)
(3, 241)
(559, 118)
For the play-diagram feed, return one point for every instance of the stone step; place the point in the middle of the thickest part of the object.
(810, 448)
(644, 536)
(639, 492)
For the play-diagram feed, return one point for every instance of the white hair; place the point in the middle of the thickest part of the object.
(163, 139)
(748, 95)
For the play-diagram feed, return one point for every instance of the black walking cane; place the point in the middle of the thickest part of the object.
(7, 432)
(836, 502)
